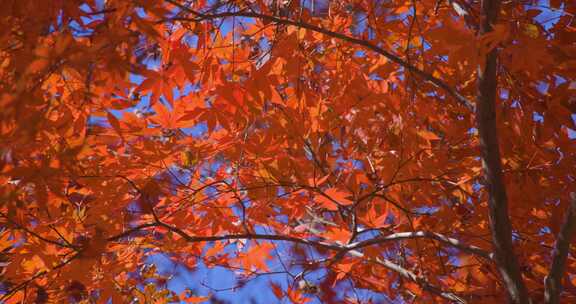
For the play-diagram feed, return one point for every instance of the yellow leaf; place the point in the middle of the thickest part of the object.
(428, 135)
(33, 265)
(531, 30)
(189, 158)
(79, 214)
(539, 213)
(5, 241)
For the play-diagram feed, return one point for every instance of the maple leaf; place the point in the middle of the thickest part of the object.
(33, 265)
(256, 256)
(499, 34)
(343, 267)
(332, 198)
(187, 298)
(277, 290)
(296, 296)
(337, 234)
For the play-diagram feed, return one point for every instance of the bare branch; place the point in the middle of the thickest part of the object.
(131, 231)
(340, 249)
(553, 281)
(409, 275)
(249, 236)
(425, 235)
(423, 283)
(34, 234)
(40, 274)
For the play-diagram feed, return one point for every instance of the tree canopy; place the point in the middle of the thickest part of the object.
(361, 151)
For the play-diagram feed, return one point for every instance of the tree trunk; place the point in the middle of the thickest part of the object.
(498, 202)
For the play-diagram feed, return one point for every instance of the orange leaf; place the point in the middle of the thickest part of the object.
(114, 122)
(332, 198)
(33, 265)
(194, 299)
(277, 290)
(339, 235)
(490, 40)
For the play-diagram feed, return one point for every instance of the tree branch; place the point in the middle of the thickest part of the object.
(340, 249)
(249, 236)
(423, 283)
(424, 235)
(360, 42)
(9, 293)
(130, 231)
(500, 225)
(34, 234)
(553, 281)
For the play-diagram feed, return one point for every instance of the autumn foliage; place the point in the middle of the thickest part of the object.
(360, 151)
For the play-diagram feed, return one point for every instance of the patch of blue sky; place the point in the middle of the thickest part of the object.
(516, 236)
(140, 106)
(357, 164)
(549, 15)
(515, 103)
(136, 79)
(100, 4)
(572, 133)
(152, 62)
(544, 231)
(360, 23)
(203, 280)
(190, 40)
(93, 16)
(476, 185)
(281, 218)
(504, 93)
(342, 163)
(197, 130)
(141, 12)
(427, 210)
(359, 53)
(542, 87)
(265, 48)
(537, 117)
(337, 145)
(375, 76)
(217, 281)
(97, 121)
(558, 80)
(79, 30)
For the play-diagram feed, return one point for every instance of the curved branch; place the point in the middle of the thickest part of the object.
(9, 293)
(409, 275)
(131, 230)
(34, 234)
(424, 235)
(360, 42)
(423, 283)
(341, 249)
(553, 281)
(249, 236)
